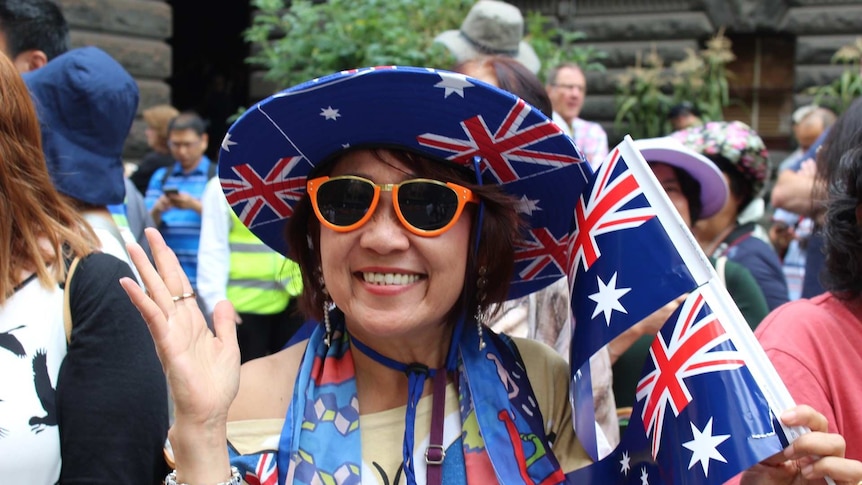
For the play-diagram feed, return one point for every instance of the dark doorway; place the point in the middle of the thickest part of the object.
(210, 75)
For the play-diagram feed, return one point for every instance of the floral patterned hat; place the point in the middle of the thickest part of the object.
(735, 141)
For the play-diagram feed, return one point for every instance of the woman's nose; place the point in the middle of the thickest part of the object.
(384, 232)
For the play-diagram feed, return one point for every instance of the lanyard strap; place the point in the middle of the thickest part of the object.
(435, 453)
(416, 377)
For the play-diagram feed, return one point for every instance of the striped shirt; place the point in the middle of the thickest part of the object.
(181, 228)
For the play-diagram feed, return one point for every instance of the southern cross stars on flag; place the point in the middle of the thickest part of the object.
(706, 402)
(622, 264)
(689, 351)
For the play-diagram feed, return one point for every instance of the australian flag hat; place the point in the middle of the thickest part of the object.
(267, 155)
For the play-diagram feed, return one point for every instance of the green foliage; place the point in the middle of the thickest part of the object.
(309, 39)
(555, 46)
(838, 94)
(647, 91)
(641, 102)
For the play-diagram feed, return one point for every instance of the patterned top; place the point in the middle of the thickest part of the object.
(591, 139)
(253, 444)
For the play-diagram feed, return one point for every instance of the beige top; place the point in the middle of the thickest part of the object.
(383, 432)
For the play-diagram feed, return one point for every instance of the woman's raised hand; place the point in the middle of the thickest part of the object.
(202, 369)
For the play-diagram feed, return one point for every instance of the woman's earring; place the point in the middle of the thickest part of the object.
(327, 326)
(327, 303)
(481, 284)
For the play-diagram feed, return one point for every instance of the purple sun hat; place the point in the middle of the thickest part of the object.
(668, 150)
(268, 153)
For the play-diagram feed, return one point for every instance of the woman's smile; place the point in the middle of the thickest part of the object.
(389, 279)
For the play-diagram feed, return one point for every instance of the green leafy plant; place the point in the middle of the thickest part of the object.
(309, 39)
(838, 94)
(702, 77)
(555, 46)
(303, 39)
(641, 101)
(647, 91)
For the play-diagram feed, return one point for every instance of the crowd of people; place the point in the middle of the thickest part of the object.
(321, 303)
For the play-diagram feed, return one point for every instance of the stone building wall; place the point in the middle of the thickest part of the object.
(622, 28)
(134, 32)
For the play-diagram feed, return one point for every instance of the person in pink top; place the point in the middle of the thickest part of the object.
(814, 342)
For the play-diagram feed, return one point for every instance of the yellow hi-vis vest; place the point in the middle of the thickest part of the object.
(260, 281)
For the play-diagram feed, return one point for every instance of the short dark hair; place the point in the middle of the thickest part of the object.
(500, 233)
(514, 77)
(34, 25)
(683, 108)
(551, 78)
(842, 232)
(738, 184)
(690, 190)
(845, 134)
(188, 120)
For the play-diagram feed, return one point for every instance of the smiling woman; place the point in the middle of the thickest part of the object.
(401, 382)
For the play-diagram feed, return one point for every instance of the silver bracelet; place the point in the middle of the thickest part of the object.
(235, 478)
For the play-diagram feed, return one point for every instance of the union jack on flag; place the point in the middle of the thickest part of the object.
(691, 349)
(510, 141)
(622, 264)
(257, 468)
(252, 193)
(701, 416)
(707, 400)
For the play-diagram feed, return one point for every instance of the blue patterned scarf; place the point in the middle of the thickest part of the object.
(503, 435)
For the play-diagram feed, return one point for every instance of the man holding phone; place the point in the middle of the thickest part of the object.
(174, 193)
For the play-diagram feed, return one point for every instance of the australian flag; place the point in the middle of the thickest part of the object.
(707, 398)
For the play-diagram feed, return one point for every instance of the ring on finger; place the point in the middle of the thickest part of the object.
(177, 298)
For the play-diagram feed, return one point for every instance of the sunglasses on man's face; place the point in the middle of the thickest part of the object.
(425, 207)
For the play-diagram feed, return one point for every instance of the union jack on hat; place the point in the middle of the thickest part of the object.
(269, 152)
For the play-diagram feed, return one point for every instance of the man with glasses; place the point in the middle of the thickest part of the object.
(174, 193)
(567, 88)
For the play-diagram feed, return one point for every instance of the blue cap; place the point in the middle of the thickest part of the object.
(86, 103)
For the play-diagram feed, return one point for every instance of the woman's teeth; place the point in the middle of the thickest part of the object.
(389, 278)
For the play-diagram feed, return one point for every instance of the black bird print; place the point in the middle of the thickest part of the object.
(45, 393)
(11, 342)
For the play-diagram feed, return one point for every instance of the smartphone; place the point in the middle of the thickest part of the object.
(171, 191)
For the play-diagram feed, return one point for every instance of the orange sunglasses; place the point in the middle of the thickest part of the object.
(425, 207)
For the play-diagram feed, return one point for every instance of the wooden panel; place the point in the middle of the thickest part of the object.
(147, 59)
(140, 18)
(134, 33)
(646, 26)
(826, 20)
(820, 49)
(153, 93)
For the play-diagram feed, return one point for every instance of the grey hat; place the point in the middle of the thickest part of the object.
(491, 28)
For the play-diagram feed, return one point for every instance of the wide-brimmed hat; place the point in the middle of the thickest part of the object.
(86, 103)
(491, 28)
(268, 153)
(667, 150)
(735, 141)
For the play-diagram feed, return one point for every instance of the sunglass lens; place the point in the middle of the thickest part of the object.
(427, 206)
(343, 202)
